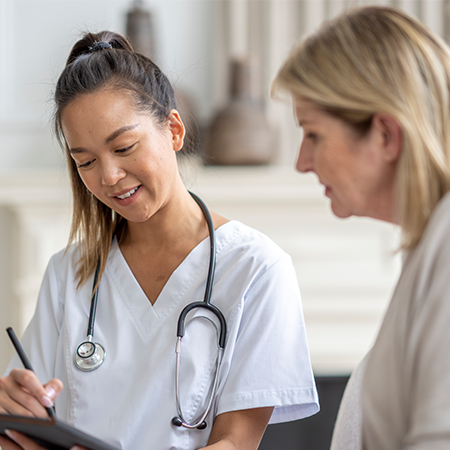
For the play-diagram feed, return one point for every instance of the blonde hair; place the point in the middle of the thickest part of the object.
(378, 59)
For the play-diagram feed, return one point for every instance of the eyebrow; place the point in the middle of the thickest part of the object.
(118, 132)
(109, 139)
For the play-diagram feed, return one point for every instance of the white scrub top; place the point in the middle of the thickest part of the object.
(130, 400)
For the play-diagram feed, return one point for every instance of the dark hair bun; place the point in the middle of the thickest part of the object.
(84, 45)
(107, 59)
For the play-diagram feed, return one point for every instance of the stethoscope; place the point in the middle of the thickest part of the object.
(90, 355)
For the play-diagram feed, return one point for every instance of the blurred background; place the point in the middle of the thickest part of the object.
(221, 56)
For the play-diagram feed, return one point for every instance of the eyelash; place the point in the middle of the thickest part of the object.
(311, 136)
(121, 150)
(81, 166)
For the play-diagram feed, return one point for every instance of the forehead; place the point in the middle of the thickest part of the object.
(103, 103)
(97, 115)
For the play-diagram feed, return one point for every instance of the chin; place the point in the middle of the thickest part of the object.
(340, 211)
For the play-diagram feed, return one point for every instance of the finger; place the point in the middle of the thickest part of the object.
(6, 444)
(23, 442)
(53, 388)
(14, 399)
(18, 394)
(29, 382)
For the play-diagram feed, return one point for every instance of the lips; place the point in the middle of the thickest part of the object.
(326, 187)
(126, 194)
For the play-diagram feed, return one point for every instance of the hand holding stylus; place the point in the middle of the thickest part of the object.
(21, 393)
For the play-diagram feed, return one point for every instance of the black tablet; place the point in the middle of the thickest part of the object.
(51, 434)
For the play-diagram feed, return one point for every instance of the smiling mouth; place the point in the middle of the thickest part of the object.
(128, 194)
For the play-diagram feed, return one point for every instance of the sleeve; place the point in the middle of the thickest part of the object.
(270, 365)
(428, 357)
(347, 432)
(41, 335)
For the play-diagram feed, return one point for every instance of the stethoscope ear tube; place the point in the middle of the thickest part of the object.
(199, 424)
(216, 311)
(177, 422)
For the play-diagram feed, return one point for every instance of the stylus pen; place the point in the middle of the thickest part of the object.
(25, 361)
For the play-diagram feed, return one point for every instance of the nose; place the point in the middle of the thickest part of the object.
(111, 172)
(304, 161)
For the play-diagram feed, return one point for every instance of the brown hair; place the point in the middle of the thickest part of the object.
(378, 59)
(91, 67)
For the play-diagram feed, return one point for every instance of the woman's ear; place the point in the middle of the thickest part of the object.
(177, 129)
(390, 136)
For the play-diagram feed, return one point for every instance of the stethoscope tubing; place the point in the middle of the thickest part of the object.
(216, 311)
(94, 360)
(206, 303)
(199, 423)
(93, 310)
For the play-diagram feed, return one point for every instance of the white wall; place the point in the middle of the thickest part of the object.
(35, 39)
(193, 42)
(7, 297)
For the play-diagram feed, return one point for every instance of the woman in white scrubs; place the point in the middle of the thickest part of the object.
(117, 120)
(371, 92)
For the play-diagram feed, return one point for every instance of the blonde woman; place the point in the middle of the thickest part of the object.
(371, 91)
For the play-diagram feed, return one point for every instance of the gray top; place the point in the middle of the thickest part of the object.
(405, 388)
(347, 431)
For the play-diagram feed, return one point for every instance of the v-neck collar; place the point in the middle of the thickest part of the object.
(144, 314)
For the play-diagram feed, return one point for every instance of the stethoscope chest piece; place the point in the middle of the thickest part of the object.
(89, 356)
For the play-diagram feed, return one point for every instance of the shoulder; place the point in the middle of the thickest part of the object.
(438, 225)
(61, 269)
(423, 287)
(441, 212)
(65, 260)
(247, 258)
(244, 242)
(433, 249)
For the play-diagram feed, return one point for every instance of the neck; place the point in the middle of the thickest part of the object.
(179, 219)
(383, 206)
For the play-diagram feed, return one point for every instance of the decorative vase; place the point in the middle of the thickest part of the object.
(140, 35)
(139, 28)
(240, 133)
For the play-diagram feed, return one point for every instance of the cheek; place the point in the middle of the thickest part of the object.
(87, 180)
(326, 161)
(79, 178)
(337, 158)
